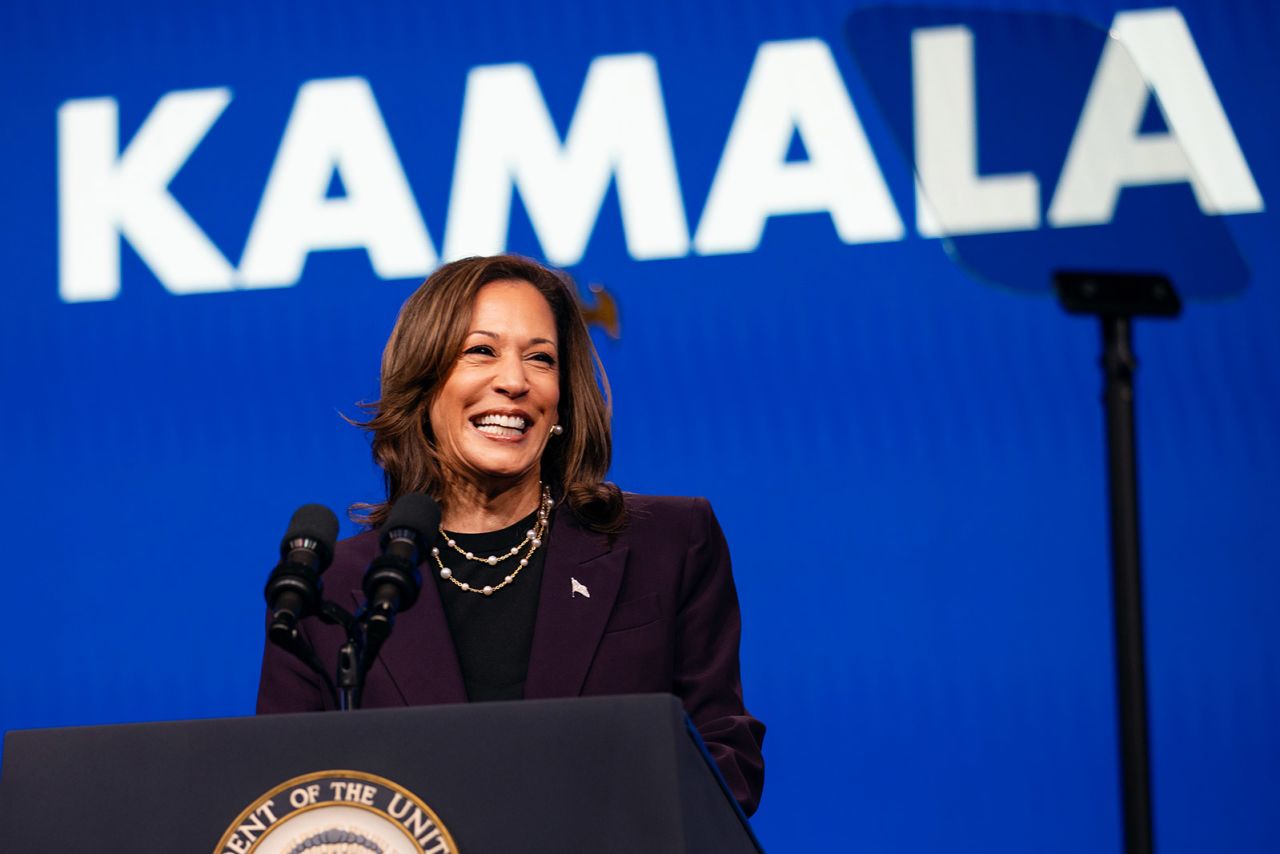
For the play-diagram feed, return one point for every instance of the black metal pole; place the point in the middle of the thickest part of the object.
(1119, 363)
(1115, 299)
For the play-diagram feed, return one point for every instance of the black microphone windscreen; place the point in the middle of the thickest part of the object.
(313, 522)
(414, 511)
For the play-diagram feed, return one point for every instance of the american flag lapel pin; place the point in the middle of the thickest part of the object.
(578, 587)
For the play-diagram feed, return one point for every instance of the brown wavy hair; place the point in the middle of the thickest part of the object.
(419, 356)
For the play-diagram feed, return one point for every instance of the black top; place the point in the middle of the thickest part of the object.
(492, 634)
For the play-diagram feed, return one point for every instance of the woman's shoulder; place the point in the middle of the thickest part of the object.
(665, 511)
(663, 504)
(678, 529)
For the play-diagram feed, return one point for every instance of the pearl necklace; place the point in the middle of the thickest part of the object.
(532, 537)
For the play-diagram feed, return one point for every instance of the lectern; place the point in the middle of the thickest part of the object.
(600, 774)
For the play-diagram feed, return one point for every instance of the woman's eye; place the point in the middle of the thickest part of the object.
(544, 357)
(479, 350)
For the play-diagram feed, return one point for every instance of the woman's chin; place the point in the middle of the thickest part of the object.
(503, 467)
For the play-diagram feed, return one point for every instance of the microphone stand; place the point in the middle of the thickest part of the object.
(352, 664)
(355, 656)
(366, 631)
(1115, 299)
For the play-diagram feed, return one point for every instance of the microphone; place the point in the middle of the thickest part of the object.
(293, 588)
(392, 583)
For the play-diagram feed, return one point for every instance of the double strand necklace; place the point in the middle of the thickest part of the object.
(532, 538)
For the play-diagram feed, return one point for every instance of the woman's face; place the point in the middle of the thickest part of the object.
(492, 416)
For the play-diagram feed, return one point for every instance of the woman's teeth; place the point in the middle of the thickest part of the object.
(501, 425)
(495, 430)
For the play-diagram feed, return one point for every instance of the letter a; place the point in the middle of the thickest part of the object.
(795, 88)
(335, 126)
(1151, 47)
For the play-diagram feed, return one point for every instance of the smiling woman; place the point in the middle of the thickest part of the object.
(548, 581)
(483, 337)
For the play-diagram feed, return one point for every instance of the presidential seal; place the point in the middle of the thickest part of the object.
(337, 812)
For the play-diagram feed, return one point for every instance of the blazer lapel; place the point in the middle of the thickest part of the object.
(569, 624)
(419, 657)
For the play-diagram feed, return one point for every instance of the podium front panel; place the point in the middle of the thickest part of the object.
(617, 774)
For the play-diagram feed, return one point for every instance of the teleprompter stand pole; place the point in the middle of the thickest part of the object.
(1115, 299)
(1126, 582)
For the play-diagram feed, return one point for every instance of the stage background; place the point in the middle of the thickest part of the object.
(908, 463)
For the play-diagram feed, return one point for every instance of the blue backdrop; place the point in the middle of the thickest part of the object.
(907, 460)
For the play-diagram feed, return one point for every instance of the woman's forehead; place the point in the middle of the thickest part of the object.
(512, 308)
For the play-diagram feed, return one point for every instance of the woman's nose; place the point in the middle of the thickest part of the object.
(510, 378)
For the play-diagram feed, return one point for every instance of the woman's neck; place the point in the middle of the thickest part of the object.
(471, 509)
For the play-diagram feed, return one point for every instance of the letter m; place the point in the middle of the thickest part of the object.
(618, 132)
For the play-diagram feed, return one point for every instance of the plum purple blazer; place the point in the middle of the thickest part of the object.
(662, 617)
